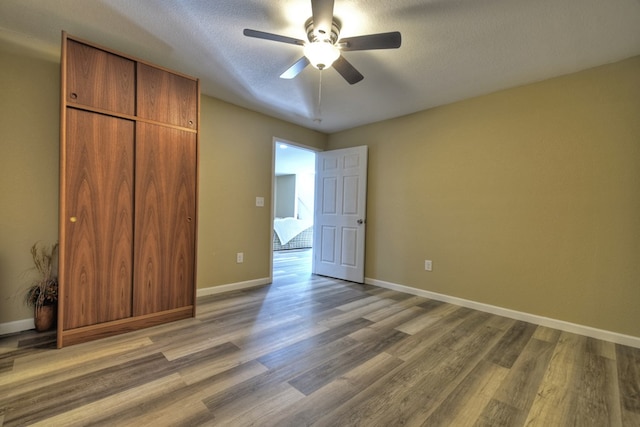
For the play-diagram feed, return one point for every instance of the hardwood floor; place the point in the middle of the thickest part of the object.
(309, 350)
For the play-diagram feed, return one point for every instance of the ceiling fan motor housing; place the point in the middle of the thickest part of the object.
(321, 49)
(317, 36)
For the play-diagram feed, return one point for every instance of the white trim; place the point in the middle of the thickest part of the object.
(631, 341)
(26, 324)
(562, 325)
(16, 326)
(213, 290)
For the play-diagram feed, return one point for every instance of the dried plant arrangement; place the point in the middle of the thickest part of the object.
(44, 290)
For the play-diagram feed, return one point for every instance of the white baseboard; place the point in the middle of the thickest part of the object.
(601, 334)
(16, 326)
(26, 324)
(233, 287)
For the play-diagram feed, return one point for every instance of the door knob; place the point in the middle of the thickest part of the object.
(360, 221)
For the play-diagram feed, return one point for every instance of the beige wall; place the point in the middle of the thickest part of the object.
(29, 135)
(235, 167)
(527, 199)
(284, 196)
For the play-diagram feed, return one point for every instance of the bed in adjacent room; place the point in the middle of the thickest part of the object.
(292, 233)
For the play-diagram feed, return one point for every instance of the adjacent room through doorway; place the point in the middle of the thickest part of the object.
(293, 203)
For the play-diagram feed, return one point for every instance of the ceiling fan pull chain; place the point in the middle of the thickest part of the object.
(320, 97)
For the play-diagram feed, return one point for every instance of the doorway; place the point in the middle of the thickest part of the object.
(293, 208)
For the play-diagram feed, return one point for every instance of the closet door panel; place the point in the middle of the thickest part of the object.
(99, 79)
(164, 243)
(99, 214)
(166, 97)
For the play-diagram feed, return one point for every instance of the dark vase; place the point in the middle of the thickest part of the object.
(44, 317)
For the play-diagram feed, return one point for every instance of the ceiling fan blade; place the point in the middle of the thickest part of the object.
(322, 15)
(274, 37)
(295, 69)
(391, 40)
(348, 71)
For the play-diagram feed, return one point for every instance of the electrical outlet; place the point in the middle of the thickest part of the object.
(240, 257)
(428, 265)
(260, 202)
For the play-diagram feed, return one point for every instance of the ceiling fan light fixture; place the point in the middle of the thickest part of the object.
(321, 54)
(324, 47)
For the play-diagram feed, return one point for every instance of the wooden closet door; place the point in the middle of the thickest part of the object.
(164, 244)
(98, 208)
(100, 79)
(167, 97)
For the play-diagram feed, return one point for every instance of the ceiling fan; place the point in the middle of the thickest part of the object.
(324, 45)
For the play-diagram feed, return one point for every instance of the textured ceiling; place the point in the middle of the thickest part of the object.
(451, 49)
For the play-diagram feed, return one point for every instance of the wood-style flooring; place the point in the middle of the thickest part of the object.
(309, 350)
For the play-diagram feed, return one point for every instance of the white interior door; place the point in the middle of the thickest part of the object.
(340, 208)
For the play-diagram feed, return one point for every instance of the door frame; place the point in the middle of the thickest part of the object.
(275, 141)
